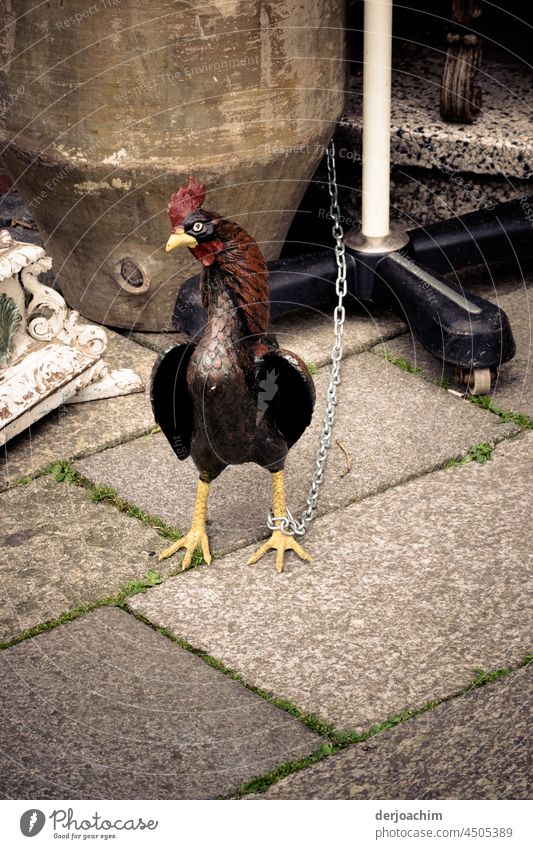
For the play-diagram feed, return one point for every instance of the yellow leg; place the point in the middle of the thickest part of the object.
(197, 536)
(279, 541)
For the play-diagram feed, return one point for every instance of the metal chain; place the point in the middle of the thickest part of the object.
(288, 524)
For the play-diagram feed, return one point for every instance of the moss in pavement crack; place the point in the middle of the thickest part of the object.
(402, 363)
(325, 729)
(118, 599)
(479, 453)
(340, 741)
(63, 472)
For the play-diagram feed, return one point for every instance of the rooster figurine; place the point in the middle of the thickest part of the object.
(234, 396)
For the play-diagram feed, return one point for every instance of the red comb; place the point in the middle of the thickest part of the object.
(185, 201)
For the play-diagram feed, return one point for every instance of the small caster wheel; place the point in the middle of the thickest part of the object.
(478, 381)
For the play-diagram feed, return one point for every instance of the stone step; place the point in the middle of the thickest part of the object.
(475, 747)
(440, 169)
(409, 592)
(105, 708)
(498, 143)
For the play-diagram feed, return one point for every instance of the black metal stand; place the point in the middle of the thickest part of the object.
(405, 274)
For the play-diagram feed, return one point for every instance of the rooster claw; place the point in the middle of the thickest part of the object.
(195, 539)
(281, 543)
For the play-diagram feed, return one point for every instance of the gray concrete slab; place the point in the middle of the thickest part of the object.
(75, 430)
(309, 332)
(478, 746)
(513, 389)
(105, 708)
(148, 474)
(60, 550)
(408, 593)
(393, 426)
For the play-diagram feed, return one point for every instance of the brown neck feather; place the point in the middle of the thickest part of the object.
(241, 268)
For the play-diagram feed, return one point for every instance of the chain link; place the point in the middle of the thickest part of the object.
(288, 524)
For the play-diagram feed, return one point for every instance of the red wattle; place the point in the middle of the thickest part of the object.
(206, 251)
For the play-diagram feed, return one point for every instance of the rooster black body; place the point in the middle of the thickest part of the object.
(232, 396)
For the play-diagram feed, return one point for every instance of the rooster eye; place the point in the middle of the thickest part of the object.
(197, 226)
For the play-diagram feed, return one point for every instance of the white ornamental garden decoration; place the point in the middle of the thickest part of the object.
(47, 357)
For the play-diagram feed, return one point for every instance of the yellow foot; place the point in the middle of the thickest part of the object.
(281, 543)
(196, 538)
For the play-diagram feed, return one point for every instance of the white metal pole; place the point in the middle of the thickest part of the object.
(376, 117)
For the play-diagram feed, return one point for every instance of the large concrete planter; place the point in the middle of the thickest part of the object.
(108, 108)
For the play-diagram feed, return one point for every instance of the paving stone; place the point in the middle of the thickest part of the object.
(105, 708)
(309, 332)
(475, 747)
(393, 425)
(60, 550)
(497, 143)
(75, 430)
(513, 389)
(408, 593)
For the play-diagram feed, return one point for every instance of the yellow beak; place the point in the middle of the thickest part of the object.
(180, 239)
